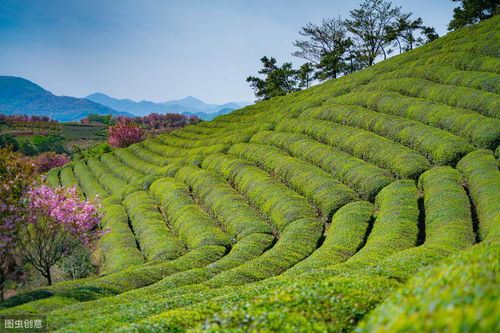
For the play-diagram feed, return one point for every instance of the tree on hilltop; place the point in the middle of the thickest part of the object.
(278, 81)
(368, 24)
(407, 33)
(472, 11)
(325, 47)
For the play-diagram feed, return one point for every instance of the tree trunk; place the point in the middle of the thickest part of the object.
(3, 280)
(48, 276)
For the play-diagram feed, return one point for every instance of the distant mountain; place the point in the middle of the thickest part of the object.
(188, 106)
(20, 96)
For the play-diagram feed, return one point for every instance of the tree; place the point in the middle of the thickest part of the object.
(407, 33)
(472, 11)
(306, 75)
(59, 222)
(125, 133)
(368, 24)
(430, 34)
(16, 176)
(324, 47)
(278, 81)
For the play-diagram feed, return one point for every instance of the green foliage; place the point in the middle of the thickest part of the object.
(42, 143)
(449, 297)
(194, 227)
(224, 203)
(230, 207)
(53, 177)
(7, 140)
(480, 170)
(155, 238)
(485, 103)
(364, 177)
(346, 235)
(104, 176)
(278, 202)
(279, 80)
(439, 146)
(318, 186)
(481, 131)
(395, 227)
(78, 264)
(119, 247)
(120, 169)
(402, 161)
(472, 11)
(448, 220)
(89, 185)
(94, 151)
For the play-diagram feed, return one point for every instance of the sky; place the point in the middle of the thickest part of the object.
(160, 50)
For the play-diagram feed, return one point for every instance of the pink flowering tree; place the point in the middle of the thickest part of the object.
(59, 222)
(124, 133)
(48, 160)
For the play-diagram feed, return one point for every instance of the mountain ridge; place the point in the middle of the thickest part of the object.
(21, 96)
(188, 105)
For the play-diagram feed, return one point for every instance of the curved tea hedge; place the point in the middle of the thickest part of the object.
(368, 203)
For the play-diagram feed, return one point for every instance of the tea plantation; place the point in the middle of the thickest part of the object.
(367, 203)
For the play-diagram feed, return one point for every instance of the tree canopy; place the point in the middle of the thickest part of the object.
(472, 11)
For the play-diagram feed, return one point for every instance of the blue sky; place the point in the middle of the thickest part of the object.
(159, 49)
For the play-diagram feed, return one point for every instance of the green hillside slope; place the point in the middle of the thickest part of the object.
(370, 202)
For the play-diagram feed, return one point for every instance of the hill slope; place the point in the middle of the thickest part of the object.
(20, 96)
(370, 201)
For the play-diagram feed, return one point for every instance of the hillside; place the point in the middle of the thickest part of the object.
(370, 202)
(20, 96)
(188, 106)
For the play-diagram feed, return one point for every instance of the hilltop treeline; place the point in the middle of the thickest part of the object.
(338, 46)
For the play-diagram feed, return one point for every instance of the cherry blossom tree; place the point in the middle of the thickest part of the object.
(125, 133)
(58, 223)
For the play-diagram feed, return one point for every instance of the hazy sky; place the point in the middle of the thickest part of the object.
(159, 49)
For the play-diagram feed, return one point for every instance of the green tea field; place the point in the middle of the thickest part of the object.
(368, 203)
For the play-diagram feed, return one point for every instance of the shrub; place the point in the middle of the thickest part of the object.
(327, 193)
(16, 176)
(395, 227)
(350, 225)
(78, 264)
(402, 161)
(278, 202)
(124, 133)
(439, 146)
(224, 203)
(118, 247)
(480, 170)
(456, 295)
(48, 160)
(448, 220)
(121, 170)
(89, 185)
(155, 239)
(365, 178)
(481, 131)
(194, 227)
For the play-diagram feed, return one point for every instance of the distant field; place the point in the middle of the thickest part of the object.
(369, 202)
